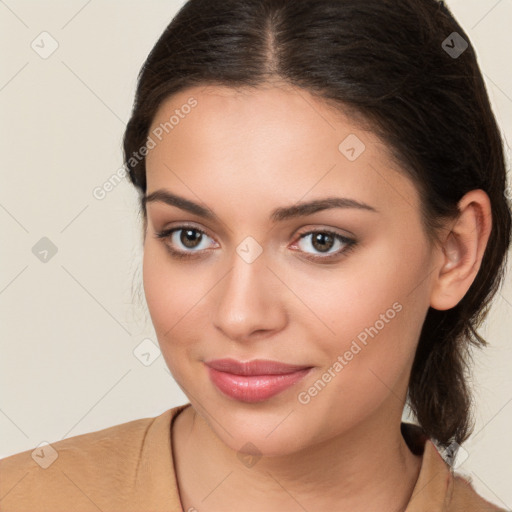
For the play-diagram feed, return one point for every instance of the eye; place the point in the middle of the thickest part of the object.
(184, 241)
(323, 241)
(187, 239)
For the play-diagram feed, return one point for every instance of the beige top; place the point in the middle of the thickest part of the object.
(129, 467)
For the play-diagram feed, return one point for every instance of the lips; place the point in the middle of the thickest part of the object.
(254, 381)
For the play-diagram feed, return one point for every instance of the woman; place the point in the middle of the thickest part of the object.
(322, 185)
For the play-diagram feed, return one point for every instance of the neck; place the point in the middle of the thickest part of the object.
(366, 468)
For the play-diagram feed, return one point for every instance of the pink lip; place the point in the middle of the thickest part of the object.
(254, 381)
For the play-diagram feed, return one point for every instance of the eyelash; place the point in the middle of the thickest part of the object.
(167, 233)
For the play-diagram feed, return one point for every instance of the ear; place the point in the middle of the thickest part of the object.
(462, 249)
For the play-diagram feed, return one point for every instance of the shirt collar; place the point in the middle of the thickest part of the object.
(434, 486)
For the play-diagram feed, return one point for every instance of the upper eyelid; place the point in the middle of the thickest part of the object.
(307, 231)
(179, 227)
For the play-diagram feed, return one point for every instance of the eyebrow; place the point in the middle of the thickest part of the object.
(277, 215)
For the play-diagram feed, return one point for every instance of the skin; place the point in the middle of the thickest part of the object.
(243, 153)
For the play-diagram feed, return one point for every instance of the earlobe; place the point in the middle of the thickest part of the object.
(462, 250)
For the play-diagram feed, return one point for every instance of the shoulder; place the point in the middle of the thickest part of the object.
(85, 469)
(79, 449)
(464, 497)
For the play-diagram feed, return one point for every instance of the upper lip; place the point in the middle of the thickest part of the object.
(255, 367)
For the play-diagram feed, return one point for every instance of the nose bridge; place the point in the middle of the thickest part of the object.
(246, 283)
(246, 300)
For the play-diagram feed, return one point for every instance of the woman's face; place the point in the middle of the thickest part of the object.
(252, 288)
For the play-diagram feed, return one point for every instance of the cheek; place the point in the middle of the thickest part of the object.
(177, 305)
(384, 295)
(159, 289)
(166, 303)
(170, 293)
(375, 312)
(366, 361)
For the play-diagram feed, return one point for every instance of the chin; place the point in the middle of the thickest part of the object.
(268, 431)
(257, 444)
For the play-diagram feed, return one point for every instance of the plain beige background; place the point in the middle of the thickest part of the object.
(73, 327)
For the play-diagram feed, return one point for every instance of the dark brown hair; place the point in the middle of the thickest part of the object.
(390, 62)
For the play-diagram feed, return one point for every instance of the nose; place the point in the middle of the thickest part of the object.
(249, 302)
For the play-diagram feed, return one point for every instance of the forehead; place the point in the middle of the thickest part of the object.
(257, 115)
(273, 144)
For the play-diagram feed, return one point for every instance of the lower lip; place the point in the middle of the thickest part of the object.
(254, 388)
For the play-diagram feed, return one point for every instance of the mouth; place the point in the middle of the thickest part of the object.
(254, 381)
